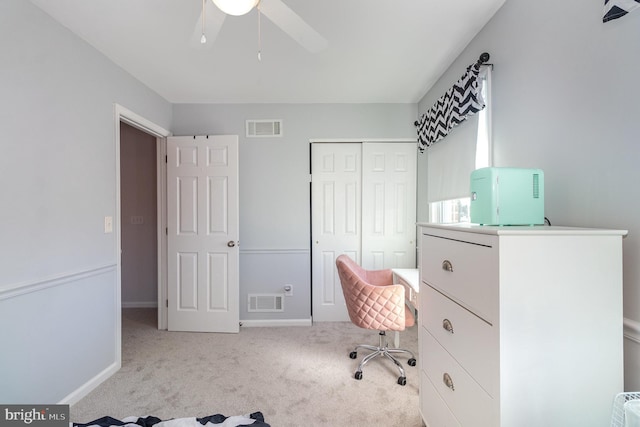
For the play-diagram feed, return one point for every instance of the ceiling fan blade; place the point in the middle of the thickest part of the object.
(292, 24)
(213, 20)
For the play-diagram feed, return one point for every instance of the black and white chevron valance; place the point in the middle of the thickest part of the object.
(617, 8)
(462, 100)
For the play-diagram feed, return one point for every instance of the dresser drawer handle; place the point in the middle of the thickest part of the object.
(446, 379)
(446, 265)
(447, 325)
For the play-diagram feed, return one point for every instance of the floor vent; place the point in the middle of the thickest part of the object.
(262, 128)
(265, 303)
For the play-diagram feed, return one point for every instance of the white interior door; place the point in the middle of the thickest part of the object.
(202, 246)
(389, 173)
(336, 200)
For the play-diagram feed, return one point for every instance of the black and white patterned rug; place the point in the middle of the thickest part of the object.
(255, 419)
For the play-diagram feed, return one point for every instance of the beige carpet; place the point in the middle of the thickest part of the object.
(295, 376)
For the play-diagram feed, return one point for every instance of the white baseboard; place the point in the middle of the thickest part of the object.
(139, 304)
(275, 323)
(75, 396)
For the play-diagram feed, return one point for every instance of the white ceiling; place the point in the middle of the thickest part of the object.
(378, 51)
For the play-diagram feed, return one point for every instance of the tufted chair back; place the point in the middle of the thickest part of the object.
(373, 301)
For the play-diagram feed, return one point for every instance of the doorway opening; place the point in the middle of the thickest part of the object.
(139, 224)
(138, 218)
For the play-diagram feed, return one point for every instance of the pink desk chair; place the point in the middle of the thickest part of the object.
(374, 302)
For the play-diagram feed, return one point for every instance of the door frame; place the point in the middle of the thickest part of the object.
(122, 114)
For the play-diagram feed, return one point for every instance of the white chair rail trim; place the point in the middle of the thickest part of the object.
(632, 330)
(17, 289)
(287, 251)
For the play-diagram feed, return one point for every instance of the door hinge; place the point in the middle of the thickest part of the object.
(166, 231)
(167, 303)
(166, 158)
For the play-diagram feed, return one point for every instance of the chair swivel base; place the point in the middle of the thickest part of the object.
(382, 350)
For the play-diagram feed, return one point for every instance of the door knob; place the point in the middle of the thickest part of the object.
(231, 243)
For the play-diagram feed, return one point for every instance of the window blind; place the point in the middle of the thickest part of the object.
(451, 161)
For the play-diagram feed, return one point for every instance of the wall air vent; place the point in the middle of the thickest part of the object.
(265, 303)
(264, 128)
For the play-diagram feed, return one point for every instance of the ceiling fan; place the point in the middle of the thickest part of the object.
(212, 19)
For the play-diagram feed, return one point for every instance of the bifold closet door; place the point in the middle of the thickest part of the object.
(363, 205)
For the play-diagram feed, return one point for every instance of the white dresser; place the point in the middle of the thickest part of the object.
(519, 326)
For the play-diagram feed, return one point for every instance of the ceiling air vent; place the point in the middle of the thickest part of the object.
(264, 128)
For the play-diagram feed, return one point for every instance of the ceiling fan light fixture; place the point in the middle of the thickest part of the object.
(236, 7)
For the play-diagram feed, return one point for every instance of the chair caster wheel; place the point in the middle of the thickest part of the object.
(412, 362)
(358, 375)
(402, 380)
(353, 354)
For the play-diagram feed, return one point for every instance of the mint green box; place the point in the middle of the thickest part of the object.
(507, 196)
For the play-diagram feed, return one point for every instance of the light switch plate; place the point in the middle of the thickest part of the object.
(108, 224)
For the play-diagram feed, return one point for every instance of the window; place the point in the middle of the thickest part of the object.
(449, 166)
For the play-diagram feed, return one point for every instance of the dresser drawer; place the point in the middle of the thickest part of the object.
(434, 411)
(469, 339)
(465, 398)
(465, 271)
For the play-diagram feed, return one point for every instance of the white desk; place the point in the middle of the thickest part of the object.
(410, 279)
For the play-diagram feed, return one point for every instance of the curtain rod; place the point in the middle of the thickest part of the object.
(484, 57)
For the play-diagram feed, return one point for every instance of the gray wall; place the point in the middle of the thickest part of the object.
(58, 281)
(274, 183)
(565, 100)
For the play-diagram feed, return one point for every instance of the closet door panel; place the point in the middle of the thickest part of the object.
(389, 205)
(335, 222)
